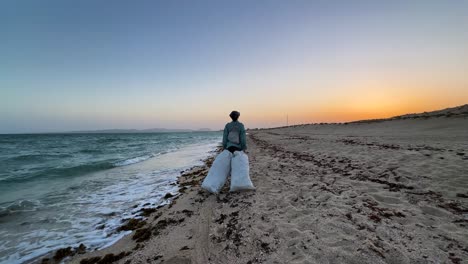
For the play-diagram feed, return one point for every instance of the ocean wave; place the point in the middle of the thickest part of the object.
(78, 169)
(36, 157)
(109, 140)
(19, 207)
(62, 172)
(133, 160)
(91, 151)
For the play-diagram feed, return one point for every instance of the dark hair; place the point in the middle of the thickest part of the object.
(234, 115)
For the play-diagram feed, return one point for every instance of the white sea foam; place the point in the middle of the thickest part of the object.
(20, 206)
(133, 160)
(138, 159)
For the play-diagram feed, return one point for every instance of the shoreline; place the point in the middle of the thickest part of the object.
(70, 254)
(383, 192)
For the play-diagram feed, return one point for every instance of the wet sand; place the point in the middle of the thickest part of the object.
(367, 192)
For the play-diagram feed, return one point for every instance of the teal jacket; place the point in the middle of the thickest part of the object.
(226, 143)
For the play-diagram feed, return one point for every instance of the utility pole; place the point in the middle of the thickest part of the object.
(287, 120)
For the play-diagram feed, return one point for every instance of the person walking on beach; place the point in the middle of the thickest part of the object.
(234, 134)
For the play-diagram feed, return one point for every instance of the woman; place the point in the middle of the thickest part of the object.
(234, 134)
(230, 163)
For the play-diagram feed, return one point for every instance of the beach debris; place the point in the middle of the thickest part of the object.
(199, 200)
(168, 195)
(107, 259)
(375, 218)
(92, 260)
(148, 211)
(454, 259)
(221, 218)
(265, 247)
(162, 224)
(81, 249)
(66, 252)
(231, 232)
(222, 198)
(195, 182)
(380, 212)
(142, 234)
(132, 224)
(184, 248)
(454, 207)
(377, 249)
(188, 213)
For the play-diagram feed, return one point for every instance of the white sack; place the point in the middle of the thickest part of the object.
(240, 179)
(218, 173)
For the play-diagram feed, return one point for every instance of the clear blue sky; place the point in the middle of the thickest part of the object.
(71, 65)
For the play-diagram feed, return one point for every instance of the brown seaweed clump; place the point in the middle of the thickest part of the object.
(132, 224)
(107, 259)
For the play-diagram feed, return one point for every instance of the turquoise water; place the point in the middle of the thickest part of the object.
(63, 190)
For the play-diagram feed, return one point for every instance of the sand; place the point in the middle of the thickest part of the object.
(369, 192)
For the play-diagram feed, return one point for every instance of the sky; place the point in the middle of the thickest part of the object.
(81, 65)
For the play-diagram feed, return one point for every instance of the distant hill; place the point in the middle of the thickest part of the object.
(448, 112)
(458, 111)
(151, 130)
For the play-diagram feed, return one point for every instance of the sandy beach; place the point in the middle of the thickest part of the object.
(382, 191)
(120, 121)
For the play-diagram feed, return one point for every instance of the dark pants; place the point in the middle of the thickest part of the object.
(232, 149)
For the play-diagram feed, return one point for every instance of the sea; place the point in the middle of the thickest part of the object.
(60, 190)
